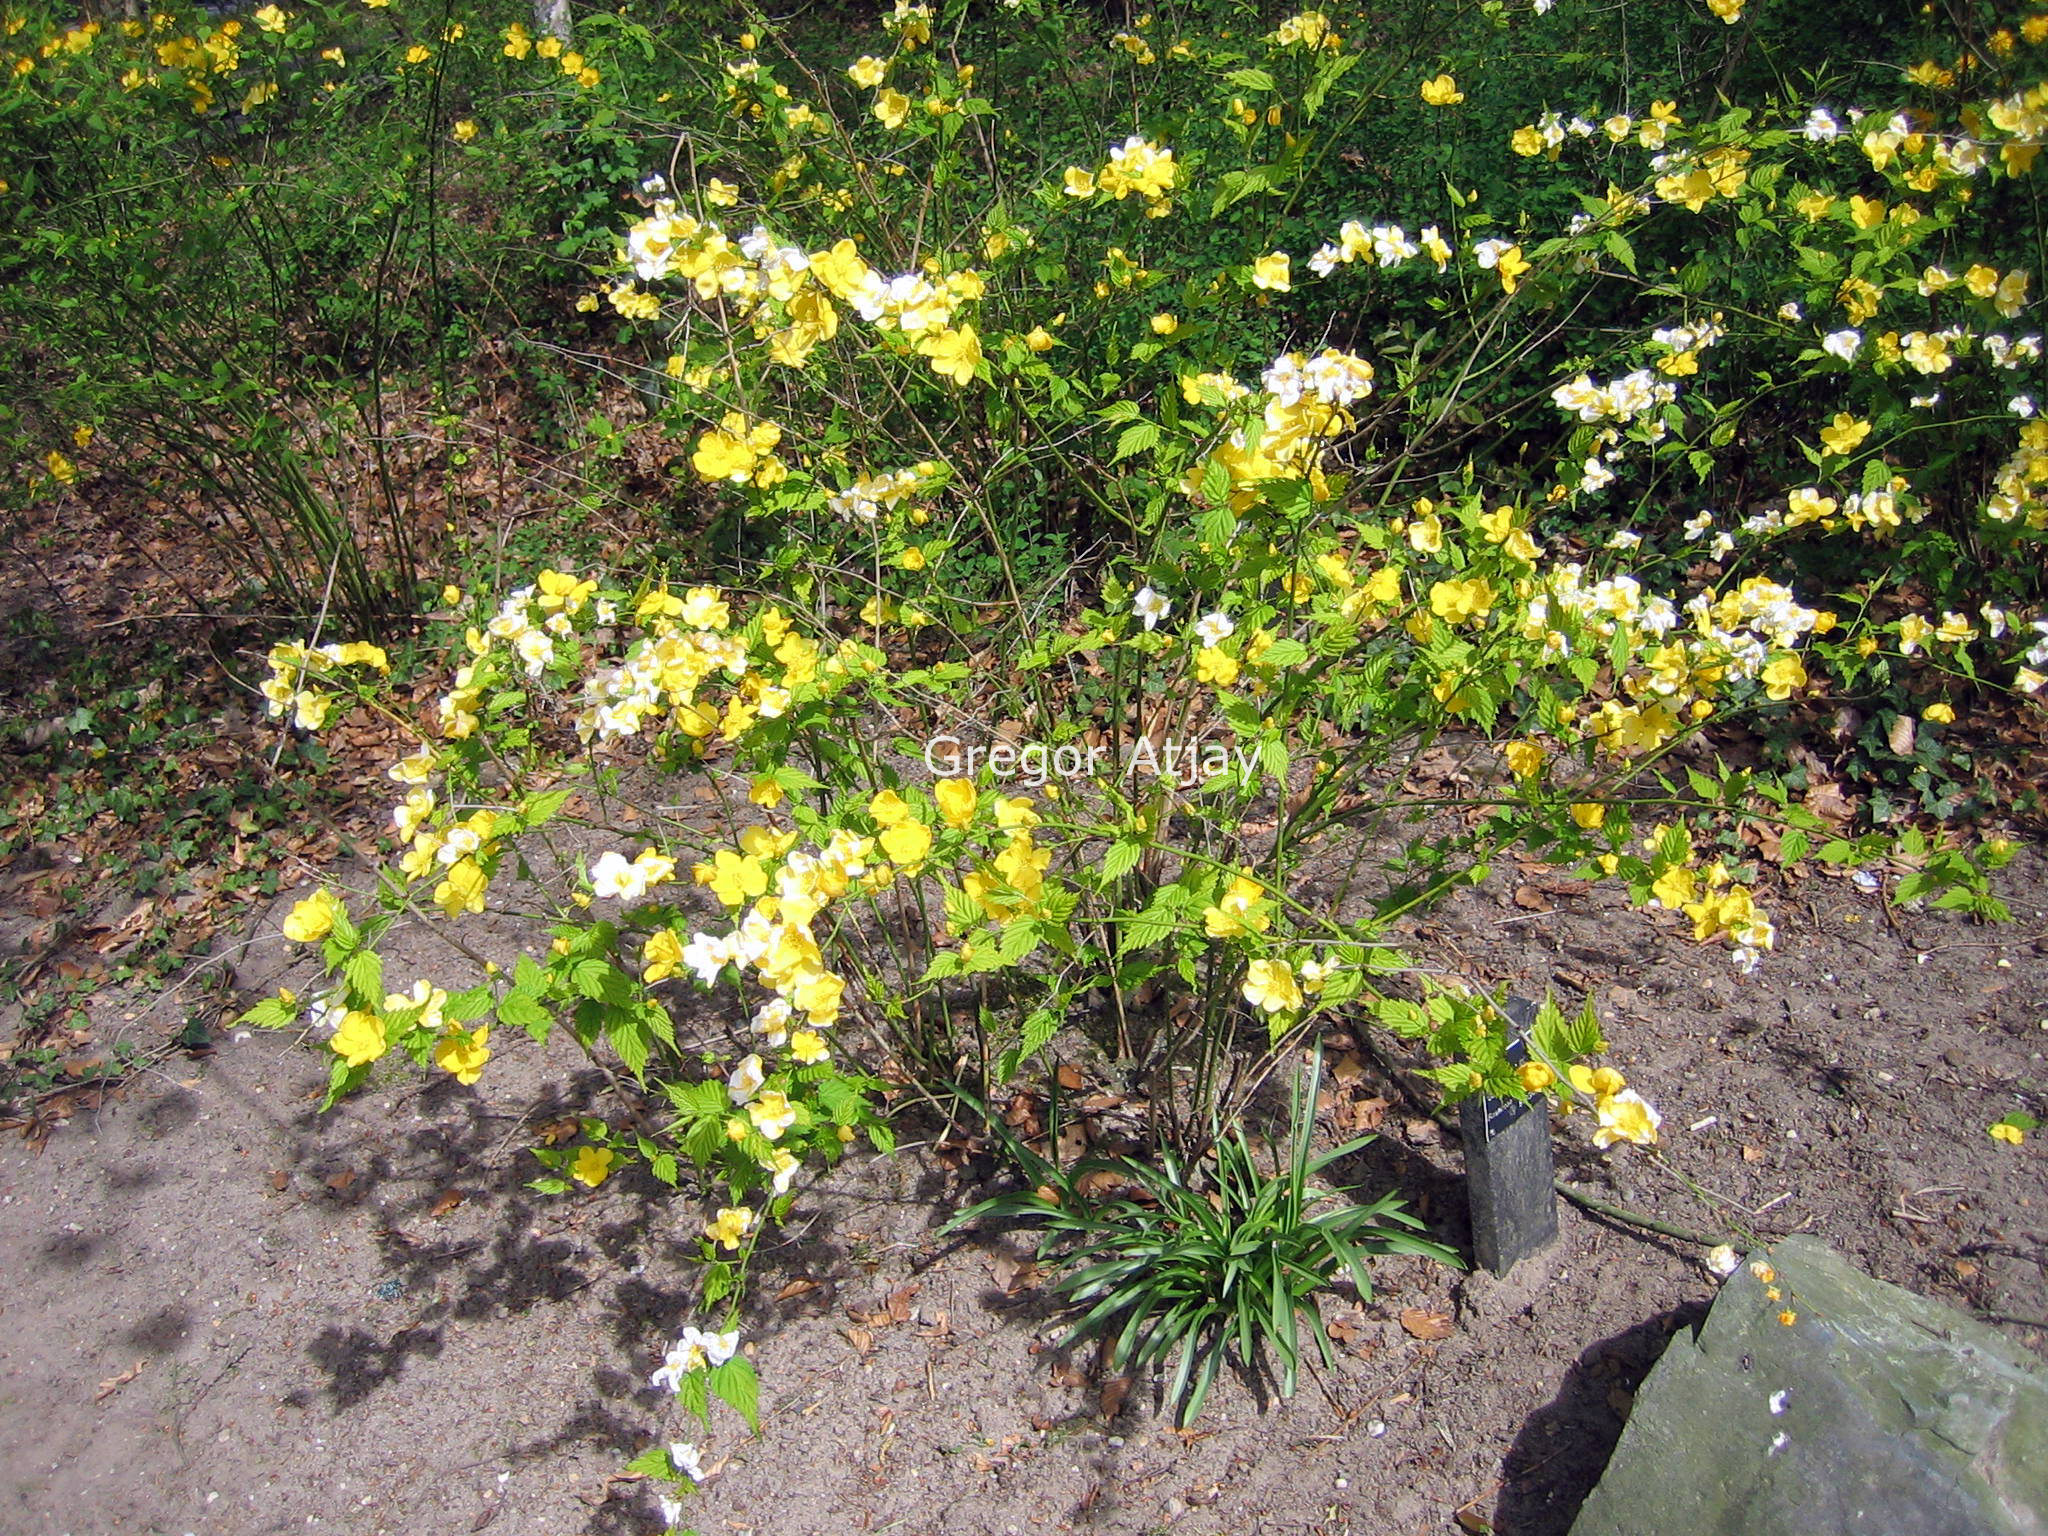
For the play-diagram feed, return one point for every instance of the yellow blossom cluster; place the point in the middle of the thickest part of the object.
(787, 294)
(294, 666)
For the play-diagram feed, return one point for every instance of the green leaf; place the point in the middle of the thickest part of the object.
(364, 972)
(1039, 1028)
(739, 1389)
(629, 1038)
(1121, 857)
(1136, 438)
(544, 807)
(271, 1013)
(472, 1003)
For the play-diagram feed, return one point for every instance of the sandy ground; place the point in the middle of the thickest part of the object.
(225, 1312)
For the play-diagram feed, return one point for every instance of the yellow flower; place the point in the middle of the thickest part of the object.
(593, 1165)
(1940, 714)
(807, 1047)
(463, 890)
(1782, 674)
(1213, 665)
(1270, 984)
(1788, 1317)
(312, 918)
(270, 19)
(955, 353)
(360, 1039)
(1866, 212)
(464, 1052)
(1442, 92)
(730, 1228)
(1039, 339)
(518, 44)
(907, 844)
(1511, 265)
(1460, 601)
(1016, 812)
(1239, 910)
(1845, 434)
(1675, 887)
(418, 53)
(62, 470)
(1729, 11)
(663, 956)
(957, 800)
(1596, 1083)
(892, 107)
(1526, 142)
(1272, 272)
(867, 72)
(912, 558)
(2011, 1135)
(1426, 532)
(1625, 1116)
(1535, 1076)
(1165, 325)
(1525, 759)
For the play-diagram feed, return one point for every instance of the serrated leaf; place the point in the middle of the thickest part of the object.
(738, 1388)
(1121, 857)
(1135, 438)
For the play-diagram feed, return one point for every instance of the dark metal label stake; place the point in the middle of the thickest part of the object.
(1509, 1175)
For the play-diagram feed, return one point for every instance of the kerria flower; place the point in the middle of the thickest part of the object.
(1151, 606)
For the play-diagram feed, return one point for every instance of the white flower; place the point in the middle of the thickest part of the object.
(1821, 126)
(1489, 252)
(614, 875)
(671, 1510)
(1791, 312)
(328, 1010)
(687, 1458)
(1926, 402)
(1214, 628)
(771, 1021)
(745, 1081)
(2021, 405)
(1843, 344)
(1150, 606)
(707, 956)
(1723, 1260)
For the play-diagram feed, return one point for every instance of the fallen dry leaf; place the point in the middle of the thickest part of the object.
(450, 1198)
(795, 1288)
(1420, 1323)
(1114, 1391)
(1529, 899)
(1013, 1274)
(1070, 1077)
(114, 1384)
(898, 1305)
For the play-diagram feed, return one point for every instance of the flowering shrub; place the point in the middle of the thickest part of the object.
(960, 809)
